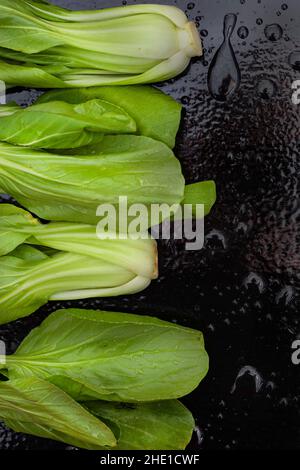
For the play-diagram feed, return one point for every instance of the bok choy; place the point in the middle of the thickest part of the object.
(30, 277)
(76, 118)
(156, 115)
(46, 46)
(166, 425)
(60, 125)
(71, 187)
(37, 407)
(18, 226)
(112, 356)
(34, 406)
(124, 371)
(86, 266)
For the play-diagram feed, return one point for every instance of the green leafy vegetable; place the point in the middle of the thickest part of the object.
(34, 406)
(138, 256)
(60, 125)
(86, 266)
(203, 192)
(71, 187)
(29, 277)
(46, 46)
(166, 425)
(156, 114)
(64, 119)
(112, 356)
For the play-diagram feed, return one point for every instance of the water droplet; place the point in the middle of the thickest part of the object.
(204, 33)
(190, 6)
(242, 228)
(266, 88)
(270, 385)
(284, 6)
(256, 281)
(273, 32)
(284, 402)
(294, 60)
(259, 21)
(249, 370)
(285, 295)
(124, 2)
(242, 2)
(199, 435)
(185, 100)
(217, 236)
(224, 74)
(243, 32)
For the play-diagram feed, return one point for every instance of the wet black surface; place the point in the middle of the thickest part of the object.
(242, 289)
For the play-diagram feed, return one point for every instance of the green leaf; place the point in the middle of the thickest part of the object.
(201, 193)
(28, 76)
(9, 109)
(60, 125)
(71, 187)
(34, 406)
(12, 221)
(112, 356)
(156, 114)
(165, 425)
(28, 253)
(22, 31)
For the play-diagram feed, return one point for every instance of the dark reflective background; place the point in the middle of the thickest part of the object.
(242, 289)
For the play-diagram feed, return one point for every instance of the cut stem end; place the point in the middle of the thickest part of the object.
(194, 49)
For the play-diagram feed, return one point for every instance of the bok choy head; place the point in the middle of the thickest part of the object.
(115, 46)
(72, 263)
(112, 356)
(30, 277)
